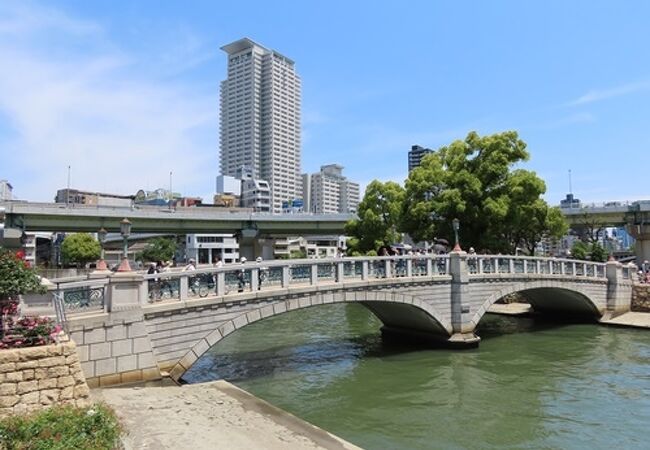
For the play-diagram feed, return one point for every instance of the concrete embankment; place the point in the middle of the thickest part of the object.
(632, 319)
(214, 415)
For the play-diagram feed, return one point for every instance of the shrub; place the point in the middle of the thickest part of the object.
(62, 427)
(16, 278)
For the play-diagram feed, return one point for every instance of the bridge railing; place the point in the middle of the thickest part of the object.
(269, 275)
(497, 264)
(91, 295)
(78, 297)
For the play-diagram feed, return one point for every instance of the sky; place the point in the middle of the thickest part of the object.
(126, 92)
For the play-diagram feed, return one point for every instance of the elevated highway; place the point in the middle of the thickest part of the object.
(634, 216)
(54, 217)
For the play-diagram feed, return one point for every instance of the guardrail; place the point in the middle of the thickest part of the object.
(90, 295)
(274, 274)
(490, 265)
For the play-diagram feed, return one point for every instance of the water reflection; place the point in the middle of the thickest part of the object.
(529, 385)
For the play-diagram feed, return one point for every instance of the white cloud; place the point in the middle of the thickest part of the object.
(94, 111)
(603, 94)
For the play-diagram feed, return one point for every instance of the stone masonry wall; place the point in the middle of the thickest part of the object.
(114, 348)
(34, 378)
(641, 298)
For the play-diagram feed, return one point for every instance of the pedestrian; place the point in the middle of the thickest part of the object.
(261, 273)
(241, 276)
(191, 281)
(218, 263)
(191, 265)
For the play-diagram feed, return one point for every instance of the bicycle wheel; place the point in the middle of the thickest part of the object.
(203, 290)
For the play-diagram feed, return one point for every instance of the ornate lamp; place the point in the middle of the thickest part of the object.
(101, 236)
(125, 231)
(456, 225)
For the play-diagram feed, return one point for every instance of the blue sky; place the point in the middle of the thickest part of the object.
(124, 92)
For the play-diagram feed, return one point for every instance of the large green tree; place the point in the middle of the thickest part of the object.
(379, 215)
(474, 180)
(80, 249)
(158, 249)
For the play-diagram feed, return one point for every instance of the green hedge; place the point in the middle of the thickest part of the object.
(62, 428)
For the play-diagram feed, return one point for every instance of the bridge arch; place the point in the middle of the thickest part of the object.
(548, 295)
(394, 310)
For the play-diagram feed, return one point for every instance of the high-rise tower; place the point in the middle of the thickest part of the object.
(260, 118)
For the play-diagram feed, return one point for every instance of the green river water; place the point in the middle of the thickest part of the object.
(529, 385)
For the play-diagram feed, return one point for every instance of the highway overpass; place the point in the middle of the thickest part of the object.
(147, 219)
(635, 216)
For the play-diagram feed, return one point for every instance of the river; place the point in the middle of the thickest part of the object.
(529, 385)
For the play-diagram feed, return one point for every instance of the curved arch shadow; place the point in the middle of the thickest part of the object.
(398, 313)
(550, 300)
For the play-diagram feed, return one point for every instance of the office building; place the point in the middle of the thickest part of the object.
(260, 118)
(205, 248)
(570, 202)
(77, 197)
(328, 191)
(416, 154)
(5, 191)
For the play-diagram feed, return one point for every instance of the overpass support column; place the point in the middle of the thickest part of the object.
(641, 233)
(462, 325)
(619, 290)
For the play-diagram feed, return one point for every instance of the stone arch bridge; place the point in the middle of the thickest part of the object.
(132, 327)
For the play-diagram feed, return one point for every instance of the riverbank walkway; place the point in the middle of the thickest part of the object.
(629, 319)
(210, 416)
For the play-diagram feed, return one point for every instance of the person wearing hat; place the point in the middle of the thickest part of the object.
(192, 281)
(241, 276)
(261, 273)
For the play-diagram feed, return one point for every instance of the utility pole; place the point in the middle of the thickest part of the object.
(67, 199)
(171, 192)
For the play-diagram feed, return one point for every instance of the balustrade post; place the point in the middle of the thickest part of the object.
(144, 291)
(409, 268)
(429, 267)
(619, 296)
(538, 267)
(183, 288)
(511, 265)
(364, 270)
(285, 276)
(480, 265)
(314, 274)
(255, 279)
(387, 267)
(550, 266)
(221, 283)
(584, 269)
(340, 271)
(573, 268)
(125, 291)
(525, 266)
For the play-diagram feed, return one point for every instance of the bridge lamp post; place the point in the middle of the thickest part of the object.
(101, 236)
(125, 231)
(456, 225)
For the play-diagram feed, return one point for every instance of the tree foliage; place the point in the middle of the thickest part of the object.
(379, 217)
(473, 180)
(80, 249)
(158, 249)
(579, 250)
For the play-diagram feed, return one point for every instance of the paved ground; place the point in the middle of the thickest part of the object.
(630, 319)
(510, 309)
(210, 416)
